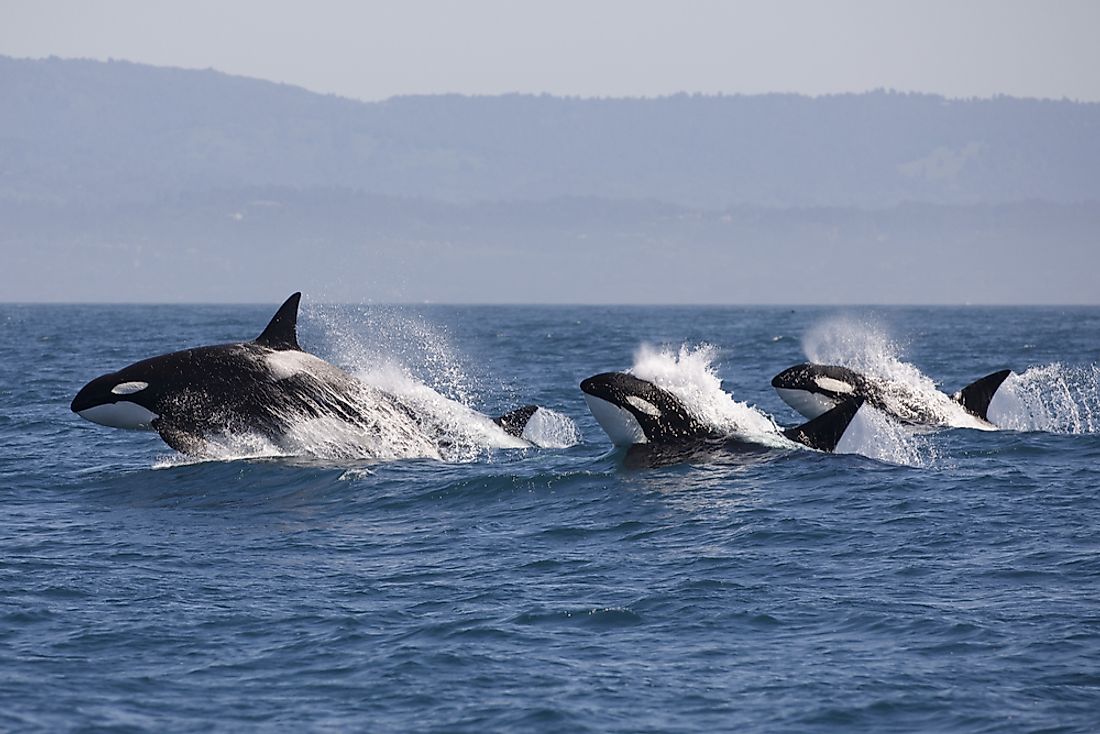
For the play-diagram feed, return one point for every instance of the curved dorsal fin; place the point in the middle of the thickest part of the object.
(977, 396)
(282, 332)
(515, 421)
(825, 431)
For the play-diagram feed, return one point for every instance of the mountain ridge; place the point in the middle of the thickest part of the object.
(79, 129)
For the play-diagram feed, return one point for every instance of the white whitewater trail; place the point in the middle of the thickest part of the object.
(1053, 398)
(866, 348)
(689, 375)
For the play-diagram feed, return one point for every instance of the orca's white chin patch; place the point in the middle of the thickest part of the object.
(809, 404)
(620, 425)
(122, 414)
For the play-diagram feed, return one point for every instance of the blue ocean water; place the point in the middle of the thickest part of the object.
(950, 584)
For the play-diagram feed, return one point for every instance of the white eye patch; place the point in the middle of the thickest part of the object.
(643, 405)
(828, 383)
(129, 388)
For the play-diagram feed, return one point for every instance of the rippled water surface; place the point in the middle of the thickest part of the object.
(950, 583)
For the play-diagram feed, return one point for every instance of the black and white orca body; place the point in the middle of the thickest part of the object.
(267, 387)
(633, 412)
(813, 389)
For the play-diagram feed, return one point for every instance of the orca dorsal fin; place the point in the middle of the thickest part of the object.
(977, 396)
(282, 332)
(515, 421)
(825, 431)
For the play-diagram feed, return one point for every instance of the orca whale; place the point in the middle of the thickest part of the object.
(266, 387)
(654, 422)
(813, 389)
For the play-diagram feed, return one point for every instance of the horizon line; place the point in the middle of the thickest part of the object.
(572, 304)
(554, 95)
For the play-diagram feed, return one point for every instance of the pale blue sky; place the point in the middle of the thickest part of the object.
(373, 50)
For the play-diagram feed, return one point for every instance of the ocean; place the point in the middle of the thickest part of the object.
(942, 580)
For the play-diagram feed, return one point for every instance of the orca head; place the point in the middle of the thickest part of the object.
(137, 395)
(815, 389)
(632, 410)
(123, 399)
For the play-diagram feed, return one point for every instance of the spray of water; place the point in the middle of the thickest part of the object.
(689, 375)
(866, 348)
(385, 339)
(874, 434)
(388, 408)
(1054, 398)
(408, 357)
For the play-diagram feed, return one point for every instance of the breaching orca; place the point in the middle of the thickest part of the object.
(264, 387)
(813, 389)
(637, 413)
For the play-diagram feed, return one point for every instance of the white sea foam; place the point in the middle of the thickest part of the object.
(689, 375)
(550, 429)
(866, 348)
(225, 447)
(399, 393)
(379, 407)
(874, 434)
(1054, 398)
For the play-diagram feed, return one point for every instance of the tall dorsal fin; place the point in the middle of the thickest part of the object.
(282, 332)
(515, 421)
(977, 396)
(825, 431)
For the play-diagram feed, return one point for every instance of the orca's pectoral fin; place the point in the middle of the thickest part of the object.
(282, 331)
(825, 431)
(977, 396)
(515, 421)
(179, 438)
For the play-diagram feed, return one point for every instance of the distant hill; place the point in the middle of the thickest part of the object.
(123, 182)
(73, 130)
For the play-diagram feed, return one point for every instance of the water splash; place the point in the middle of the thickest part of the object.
(875, 435)
(377, 406)
(383, 339)
(462, 433)
(860, 345)
(1054, 398)
(865, 347)
(689, 375)
(549, 429)
(225, 447)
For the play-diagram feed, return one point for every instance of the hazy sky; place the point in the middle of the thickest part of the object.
(373, 50)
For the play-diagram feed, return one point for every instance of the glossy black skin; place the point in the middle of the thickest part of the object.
(222, 370)
(233, 388)
(801, 377)
(223, 388)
